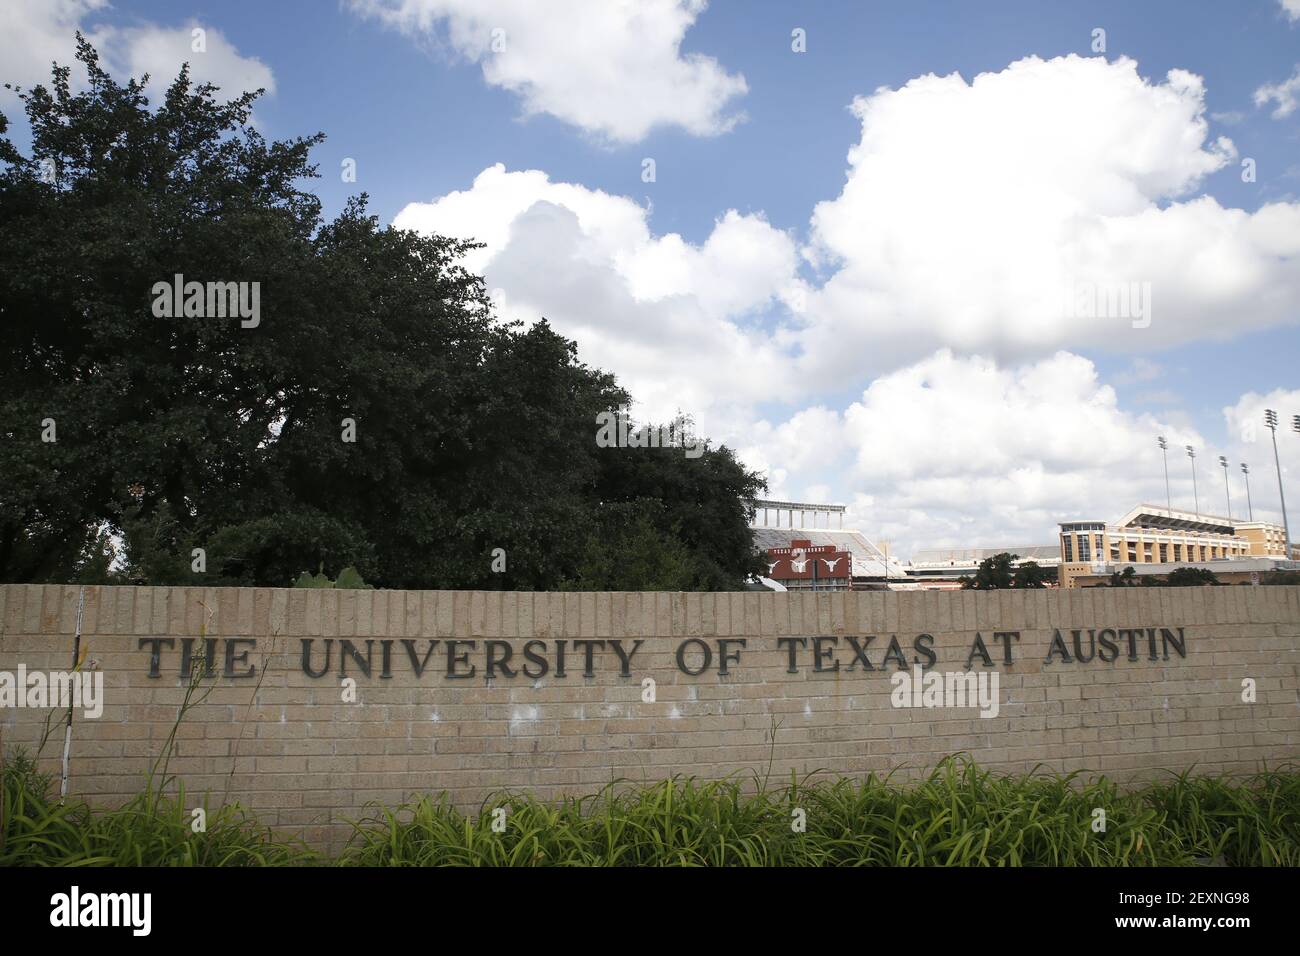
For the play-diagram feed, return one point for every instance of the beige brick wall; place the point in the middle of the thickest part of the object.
(293, 751)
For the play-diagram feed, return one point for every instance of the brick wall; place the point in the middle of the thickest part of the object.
(287, 745)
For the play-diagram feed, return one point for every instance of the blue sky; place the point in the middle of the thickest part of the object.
(878, 349)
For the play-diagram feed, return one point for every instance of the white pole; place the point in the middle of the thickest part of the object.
(67, 732)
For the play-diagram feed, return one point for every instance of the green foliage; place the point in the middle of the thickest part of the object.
(152, 828)
(183, 433)
(629, 552)
(348, 578)
(148, 830)
(1178, 577)
(1280, 577)
(994, 573)
(959, 815)
(1124, 579)
(1188, 578)
(1031, 575)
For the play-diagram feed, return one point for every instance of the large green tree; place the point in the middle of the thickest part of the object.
(377, 415)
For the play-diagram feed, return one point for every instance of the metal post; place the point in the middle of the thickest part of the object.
(1226, 488)
(1270, 420)
(1164, 451)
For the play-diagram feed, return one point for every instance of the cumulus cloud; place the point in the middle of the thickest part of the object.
(682, 324)
(961, 451)
(614, 68)
(36, 33)
(1010, 214)
(1291, 8)
(1047, 206)
(967, 208)
(1285, 94)
(797, 456)
(33, 33)
(160, 51)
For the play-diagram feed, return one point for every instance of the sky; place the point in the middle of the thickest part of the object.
(953, 265)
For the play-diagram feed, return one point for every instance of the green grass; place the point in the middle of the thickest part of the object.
(148, 830)
(960, 815)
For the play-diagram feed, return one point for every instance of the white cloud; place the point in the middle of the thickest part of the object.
(1252, 442)
(960, 451)
(1285, 94)
(614, 68)
(1291, 8)
(965, 417)
(1229, 117)
(681, 324)
(36, 33)
(966, 205)
(970, 210)
(33, 33)
(160, 51)
(488, 209)
(797, 455)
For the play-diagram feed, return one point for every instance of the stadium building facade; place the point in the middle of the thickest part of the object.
(1154, 541)
(800, 538)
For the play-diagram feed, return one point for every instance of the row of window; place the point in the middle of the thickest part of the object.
(1127, 550)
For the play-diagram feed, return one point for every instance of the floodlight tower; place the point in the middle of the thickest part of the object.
(1164, 450)
(1196, 497)
(1270, 422)
(1250, 509)
(1227, 490)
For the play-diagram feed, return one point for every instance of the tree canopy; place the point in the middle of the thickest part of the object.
(165, 434)
(1177, 578)
(1123, 579)
(999, 572)
(1189, 578)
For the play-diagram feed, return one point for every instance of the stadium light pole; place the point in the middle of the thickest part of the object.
(1196, 496)
(1227, 489)
(1164, 451)
(1250, 509)
(1270, 422)
(1295, 427)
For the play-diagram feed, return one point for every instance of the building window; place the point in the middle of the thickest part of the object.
(1066, 540)
(1202, 552)
(1084, 553)
(1132, 552)
(1164, 553)
(1178, 552)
